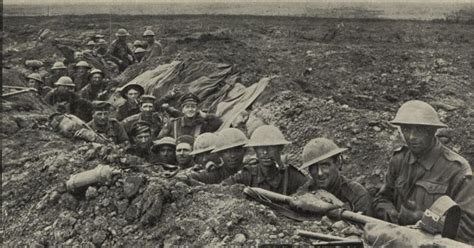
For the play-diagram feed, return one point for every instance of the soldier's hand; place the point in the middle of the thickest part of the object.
(308, 203)
(85, 134)
(409, 214)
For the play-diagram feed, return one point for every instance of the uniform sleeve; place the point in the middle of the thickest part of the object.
(166, 130)
(241, 177)
(207, 177)
(213, 123)
(465, 199)
(121, 134)
(383, 202)
(49, 97)
(362, 201)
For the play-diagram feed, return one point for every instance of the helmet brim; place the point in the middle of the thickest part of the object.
(323, 157)
(438, 124)
(196, 152)
(255, 144)
(242, 144)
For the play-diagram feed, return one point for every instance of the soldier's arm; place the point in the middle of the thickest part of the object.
(122, 136)
(207, 177)
(166, 130)
(362, 201)
(241, 177)
(213, 122)
(383, 205)
(465, 199)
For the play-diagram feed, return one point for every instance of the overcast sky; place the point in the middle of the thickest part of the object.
(207, 1)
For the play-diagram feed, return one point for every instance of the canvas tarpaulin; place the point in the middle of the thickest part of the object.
(216, 84)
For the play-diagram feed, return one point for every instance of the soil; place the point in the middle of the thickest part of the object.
(346, 87)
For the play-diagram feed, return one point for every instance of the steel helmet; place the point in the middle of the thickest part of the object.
(99, 36)
(163, 141)
(230, 138)
(101, 42)
(83, 64)
(95, 71)
(139, 50)
(65, 81)
(267, 135)
(91, 43)
(122, 32)
(137, 43)
(148, 32)
(417, 112)
(205, 142)
(58, 66)
(319, 149)
(35, 76)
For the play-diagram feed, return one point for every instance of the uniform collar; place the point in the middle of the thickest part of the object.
(190, 122)
(428, 159)
(334, 189)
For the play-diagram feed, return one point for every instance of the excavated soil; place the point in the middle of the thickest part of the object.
(346, 86)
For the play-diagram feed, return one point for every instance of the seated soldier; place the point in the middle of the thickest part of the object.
(141, 140)
(194, 121)
(80, 74)
(420, 172)
(66, 101)
(184, 147)
(36, 82)
(163, 151)
(131, 93)
(230, 148)
(148, 114)
(139, 54)
(269, 172)
(106, 128)
(323, 160)
(97, 87)
(57, 70)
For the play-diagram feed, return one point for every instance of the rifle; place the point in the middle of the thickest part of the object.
(377, 232)
(19, 91)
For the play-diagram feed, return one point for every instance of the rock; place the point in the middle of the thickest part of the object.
(281, 235)
(68, 201)
(339, 225)
(9, 126)
(239, 238)
(121, 205)
(377, 129)
(99, 237)
(132, 185)
(91, 193)
(326, 221)
(273, 236)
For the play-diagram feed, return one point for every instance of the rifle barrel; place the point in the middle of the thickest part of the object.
(321, 236)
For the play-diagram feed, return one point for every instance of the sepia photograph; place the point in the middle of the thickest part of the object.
(238, 123)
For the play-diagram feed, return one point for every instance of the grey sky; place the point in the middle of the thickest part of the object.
(220, 1)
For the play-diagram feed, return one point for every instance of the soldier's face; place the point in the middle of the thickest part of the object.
(189, 109)
(325, 172)
(419, 138)
(205, 157)
(147, 107)
(59, 72)
(101, 117)
(167, 154)
(183, 151)
(233, 157)
(132, 94)
(33, 83)
(268, 155)
(150, 39)
(96, 79)
(143, 140)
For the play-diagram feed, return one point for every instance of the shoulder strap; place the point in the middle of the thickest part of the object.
(285, 181)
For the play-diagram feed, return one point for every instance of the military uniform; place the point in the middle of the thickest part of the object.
(80, 81)
(112, 130)
(355, 196)
(119, 51)
(92, 94)
(423, 181)
(127, 109)
(184, 126)
(143, 153)
(155, 123)
(153, 50)
(465, 199)
(285, 182)
(214, 176)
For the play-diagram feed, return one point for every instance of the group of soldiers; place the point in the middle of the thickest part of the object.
(186, 139)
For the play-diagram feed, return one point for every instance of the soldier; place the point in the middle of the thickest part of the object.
(322, 157)
(230, 148)
(131, 93)
(269, 172)
(194, 121)
(97, 38)
(184, 147)
(147, 114)
(119, 51)
(90, 47)
(202, 148)
(101, 48)
(57, 70)
(139, 44)
(420, 172)
(36, 82)
(97, 88)
(80, 74)
(163, 151)
(141, 140)
(139, 54)
(104, 126)
(153, 47)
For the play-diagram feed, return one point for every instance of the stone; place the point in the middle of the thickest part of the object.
(68, 201)
(91, 193)
(132, 185)
(121, 205)
(99, 237)
(339, 225)
(281, 235)
(239, 238)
